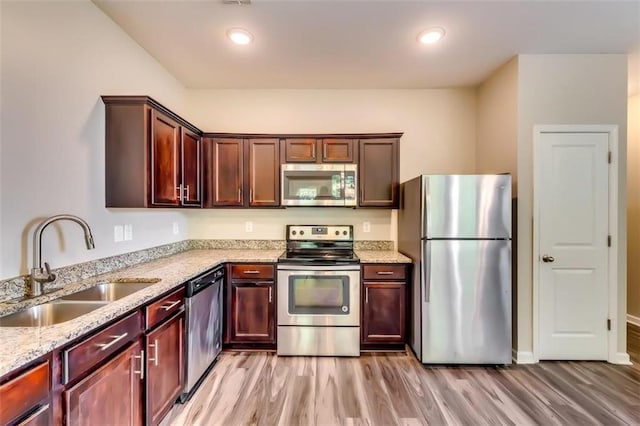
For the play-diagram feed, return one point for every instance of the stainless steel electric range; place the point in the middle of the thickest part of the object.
(319, 292)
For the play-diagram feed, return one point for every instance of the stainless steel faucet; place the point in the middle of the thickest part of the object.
(38, 275)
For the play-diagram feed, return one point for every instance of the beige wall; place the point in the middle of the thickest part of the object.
(567, 89)
(57, 59)
(439, 137)
(633, 207)
(497, 122)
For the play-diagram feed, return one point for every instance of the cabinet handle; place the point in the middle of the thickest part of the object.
(270, 294)
(179, 190)
(239, 194)
(253, 272)
(186, 197)
(385, 273)
(366, 295)
(170, 305)
(250, 195)
(141, 358)
(155, 352)
(116, 339)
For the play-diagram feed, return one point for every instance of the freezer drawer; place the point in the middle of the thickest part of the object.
(466, 302)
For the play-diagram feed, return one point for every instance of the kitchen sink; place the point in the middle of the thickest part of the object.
(107, 292)
(49, 314)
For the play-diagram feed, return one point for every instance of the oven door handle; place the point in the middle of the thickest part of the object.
(317, 270)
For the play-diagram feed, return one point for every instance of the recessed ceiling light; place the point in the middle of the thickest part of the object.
(431, 35)
(239, 36)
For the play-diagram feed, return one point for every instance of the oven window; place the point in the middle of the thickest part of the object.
(319, 294)
(312, 186)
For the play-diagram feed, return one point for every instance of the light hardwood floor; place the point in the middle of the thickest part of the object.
(395, 389)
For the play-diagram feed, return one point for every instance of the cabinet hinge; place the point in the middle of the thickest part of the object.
(608, 240)
(609, 157)
(608, 324)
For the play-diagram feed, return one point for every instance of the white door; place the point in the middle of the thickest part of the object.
(573, 229)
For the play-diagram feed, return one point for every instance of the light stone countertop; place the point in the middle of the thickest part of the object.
(381, 256)
(21, 345)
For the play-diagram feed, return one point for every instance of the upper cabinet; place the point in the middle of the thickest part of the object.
(319, 150)
(379, 172)
(243, 172)
(153, 157)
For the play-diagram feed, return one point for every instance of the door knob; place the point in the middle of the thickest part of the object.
(546, 258)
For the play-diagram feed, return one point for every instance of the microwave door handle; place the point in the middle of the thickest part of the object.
(342, 185)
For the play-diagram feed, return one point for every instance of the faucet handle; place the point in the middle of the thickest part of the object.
(51, 277)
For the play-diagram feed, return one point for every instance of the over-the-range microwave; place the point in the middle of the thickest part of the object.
(319, 184)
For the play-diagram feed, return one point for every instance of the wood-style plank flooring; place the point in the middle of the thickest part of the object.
(395, 389)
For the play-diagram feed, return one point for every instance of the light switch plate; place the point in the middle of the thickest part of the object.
(176, 228)
(248, 226)
(128, 232)
(366, 226)
(118, 233)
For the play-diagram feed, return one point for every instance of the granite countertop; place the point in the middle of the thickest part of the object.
(381, 256)
(21, 345)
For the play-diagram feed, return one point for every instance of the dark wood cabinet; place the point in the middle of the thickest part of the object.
(21, 394)
(384, 306)
(251, 298)
(245, 172)
(319, 150)
(378, 173)
(152, 156)
(112, 394)
(165, 368)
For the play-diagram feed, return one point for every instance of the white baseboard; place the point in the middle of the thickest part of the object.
(522, 357)
(621, 358)
(633, 320)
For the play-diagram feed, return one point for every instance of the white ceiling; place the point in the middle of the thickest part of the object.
(366, 44)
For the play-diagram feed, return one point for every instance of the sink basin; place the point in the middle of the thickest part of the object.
(48, 314)
(107, 292)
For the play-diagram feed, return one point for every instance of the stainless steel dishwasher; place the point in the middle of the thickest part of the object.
(203, 327)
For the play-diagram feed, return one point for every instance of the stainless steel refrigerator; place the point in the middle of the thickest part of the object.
(457, 231)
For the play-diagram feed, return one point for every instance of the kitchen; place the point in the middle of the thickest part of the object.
(85, 50)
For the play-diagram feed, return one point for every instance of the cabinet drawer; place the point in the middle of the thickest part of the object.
(39, 418)
(81, 357)
(384, 272)
(164, 308)
(22, 393)
(250, 272)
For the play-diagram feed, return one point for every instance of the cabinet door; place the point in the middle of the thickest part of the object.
(337, 150)
(112, 395)
(252, 312)
(379, 179)
(165, 160)
(191, 145)
(300, 150)
(264, 172)
(165, 368)
(384, 312)
(228, 172)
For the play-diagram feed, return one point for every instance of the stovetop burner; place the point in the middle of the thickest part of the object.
(319, 244)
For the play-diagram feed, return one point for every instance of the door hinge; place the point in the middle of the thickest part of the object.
(608, 240)
(609, 157)
(608, 324)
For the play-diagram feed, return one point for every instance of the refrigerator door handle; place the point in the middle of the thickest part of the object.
(426, 271)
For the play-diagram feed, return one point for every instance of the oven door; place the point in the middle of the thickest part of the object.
(319, 295)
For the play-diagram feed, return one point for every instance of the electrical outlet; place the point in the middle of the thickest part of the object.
(118, 233)
(176, 228)
(128, 232)
(366, 226)
(248, 226)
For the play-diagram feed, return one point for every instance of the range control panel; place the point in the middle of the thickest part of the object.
(320, 232)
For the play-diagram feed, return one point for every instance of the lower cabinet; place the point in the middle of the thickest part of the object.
(384, 306)
(25, 397)
(111, 395)
(384, 312)
(165, 367)
(251, 296)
